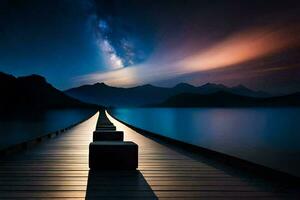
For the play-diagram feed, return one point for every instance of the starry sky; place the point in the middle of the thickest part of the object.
(132, 42)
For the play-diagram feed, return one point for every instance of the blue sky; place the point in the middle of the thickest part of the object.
(130, 42)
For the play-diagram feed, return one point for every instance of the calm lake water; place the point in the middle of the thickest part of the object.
(268, 136)
(14, 131)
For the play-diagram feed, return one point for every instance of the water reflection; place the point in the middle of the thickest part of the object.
(21, 127)
(268, 136)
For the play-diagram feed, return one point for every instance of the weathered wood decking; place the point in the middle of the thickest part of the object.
(58, 168)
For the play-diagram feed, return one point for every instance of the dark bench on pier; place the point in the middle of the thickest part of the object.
(103, 128)
(109, 151)
(113, 155)
(108, 136)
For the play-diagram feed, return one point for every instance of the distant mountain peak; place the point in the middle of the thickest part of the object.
(245, 91)
(213, 85)
(32, 93)
(100, 84)
(33, 78)
(181, 85)
(6, 77)
(4, 74)
(147, 86)
(208, 83)
(150, 94)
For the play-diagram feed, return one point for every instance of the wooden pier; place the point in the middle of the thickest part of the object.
(58, 169)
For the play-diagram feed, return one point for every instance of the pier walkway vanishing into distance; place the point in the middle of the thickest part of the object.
(58, 169)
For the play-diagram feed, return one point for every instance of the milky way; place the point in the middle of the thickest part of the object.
(207, 48)
(132, 42)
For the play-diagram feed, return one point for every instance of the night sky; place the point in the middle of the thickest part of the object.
(132, 42)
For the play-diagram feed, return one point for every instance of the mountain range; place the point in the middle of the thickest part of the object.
(102, 94)
(32, 93)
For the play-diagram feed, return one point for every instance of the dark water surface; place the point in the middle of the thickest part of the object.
(268, 136)
(29, 126)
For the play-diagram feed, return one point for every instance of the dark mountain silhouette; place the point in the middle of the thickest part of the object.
(184, 87)
(226, 99)
(32, 93)
(209, 88)
(244, 91)
(103, 94)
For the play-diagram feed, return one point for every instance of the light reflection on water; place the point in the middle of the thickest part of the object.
(28, 126)
(268, 136)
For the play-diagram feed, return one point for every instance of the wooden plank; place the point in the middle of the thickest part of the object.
(59, 169)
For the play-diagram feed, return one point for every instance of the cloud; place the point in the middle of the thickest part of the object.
(242, 47)
(238, 48)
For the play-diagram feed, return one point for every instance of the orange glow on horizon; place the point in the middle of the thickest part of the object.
(241, 47)
(236, 49)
